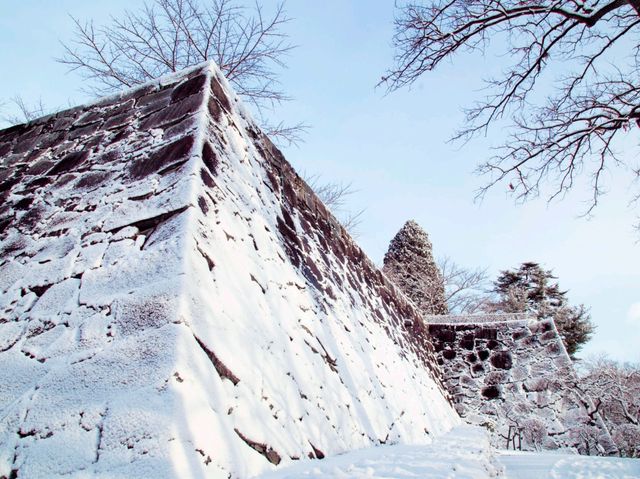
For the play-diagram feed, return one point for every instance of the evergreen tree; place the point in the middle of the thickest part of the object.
(410, 265)
(532, 289)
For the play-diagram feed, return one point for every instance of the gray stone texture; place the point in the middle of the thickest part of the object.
(514, 377)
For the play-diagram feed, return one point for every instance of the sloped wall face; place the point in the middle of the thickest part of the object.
(92, 264)
(515, 378)
(176, 303)
(313, 352)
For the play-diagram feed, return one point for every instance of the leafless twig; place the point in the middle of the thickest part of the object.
(25, 111)
(167, 36)
(554, 141)
(465, 289)
(334, 196)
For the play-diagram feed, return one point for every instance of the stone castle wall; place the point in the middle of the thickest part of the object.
(176, 302)
(513, 376)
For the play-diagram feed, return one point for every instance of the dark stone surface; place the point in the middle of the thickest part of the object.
(92, 116)
(24, 203)
(483, 354)
(519, 335)
(206, 178)
(5, 148)
(214, 109)
(501, 360)
(467, 344)
(40, 167)
(487, 333)
(175, 152)
(118, 121)
(92, 179)
(549, 335)
(219, 93)
(443, 333)
(69, 162)
(491, 392)
(210, 158)
(202, 204)
(173, 113)
(449, 354)
(188, 88)
(553, 348)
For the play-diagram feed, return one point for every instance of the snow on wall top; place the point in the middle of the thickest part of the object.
(477, 318)
(176, 302)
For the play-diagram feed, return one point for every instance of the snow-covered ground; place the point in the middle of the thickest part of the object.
(463, 453)
(530, 465)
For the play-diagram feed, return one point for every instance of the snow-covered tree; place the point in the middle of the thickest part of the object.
(615, 389)
(410, 265)
(532, 289)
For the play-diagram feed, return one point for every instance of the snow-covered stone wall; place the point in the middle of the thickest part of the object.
(176, 302)
(513, 376)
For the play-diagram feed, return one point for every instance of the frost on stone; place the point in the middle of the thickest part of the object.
(514, 377)
(176, 302)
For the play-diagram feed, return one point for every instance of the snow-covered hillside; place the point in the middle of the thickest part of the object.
(175, 301)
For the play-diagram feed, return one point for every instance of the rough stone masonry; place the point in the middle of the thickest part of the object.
(176, 302)
(512, 375)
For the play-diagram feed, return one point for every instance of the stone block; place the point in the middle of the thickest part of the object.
(501, 360)
(491, 392)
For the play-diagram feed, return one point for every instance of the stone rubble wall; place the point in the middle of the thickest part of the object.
(517, 375)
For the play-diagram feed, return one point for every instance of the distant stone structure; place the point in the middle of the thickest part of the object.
(507, 372)
(512, 375)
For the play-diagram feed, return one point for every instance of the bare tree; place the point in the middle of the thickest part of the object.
(465, 289)
(615, 389)
(334, 196)
(170, 35)
(24, 111)
(573, 130)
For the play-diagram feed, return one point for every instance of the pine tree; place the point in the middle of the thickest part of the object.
(410, 265)
(531, 289)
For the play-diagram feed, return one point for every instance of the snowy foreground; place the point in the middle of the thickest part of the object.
(463, 453)
(530, 465)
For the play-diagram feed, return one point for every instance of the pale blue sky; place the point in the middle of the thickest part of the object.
(394, 150)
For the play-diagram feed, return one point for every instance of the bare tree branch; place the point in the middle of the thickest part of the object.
(465, 289)
(553, 142)
(334, 196)
(285, 134)
(166, 36)
(25, 111)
